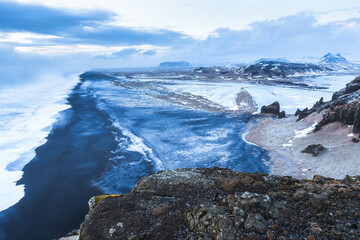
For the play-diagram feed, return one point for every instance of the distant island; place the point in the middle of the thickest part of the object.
(179, 64)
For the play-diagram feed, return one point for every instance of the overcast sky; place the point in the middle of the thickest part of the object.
(136, 33)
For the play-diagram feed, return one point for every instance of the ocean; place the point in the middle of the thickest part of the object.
(67, 139)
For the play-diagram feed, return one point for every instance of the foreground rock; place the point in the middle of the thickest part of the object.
(223, 204)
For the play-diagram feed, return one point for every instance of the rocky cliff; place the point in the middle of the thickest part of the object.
(344, 107)
(223, 204)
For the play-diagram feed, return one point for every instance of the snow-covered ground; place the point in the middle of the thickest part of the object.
(290, 98)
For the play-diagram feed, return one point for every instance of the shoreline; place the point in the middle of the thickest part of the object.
(285, 139)
(59, 180)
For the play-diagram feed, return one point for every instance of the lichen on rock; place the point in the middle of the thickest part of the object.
(217, 203)
(96, 199)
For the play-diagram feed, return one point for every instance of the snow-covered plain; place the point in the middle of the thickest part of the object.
(290, 98)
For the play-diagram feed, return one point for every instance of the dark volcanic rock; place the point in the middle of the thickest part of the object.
(273, 108)
(348, 114)
(351, 87)
(303, 113)
(223, 204)
(318, 106)
(282, 114)
(344, 107)
(314, 149)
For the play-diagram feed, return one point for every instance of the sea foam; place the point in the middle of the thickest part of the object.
(28, 112)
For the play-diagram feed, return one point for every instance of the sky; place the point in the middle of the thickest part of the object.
(83, 34)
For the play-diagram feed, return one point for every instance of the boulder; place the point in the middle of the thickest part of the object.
(314, 149)
(273, 108)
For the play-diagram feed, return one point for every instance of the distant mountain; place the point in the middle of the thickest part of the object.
(180, 64)
(282, 69)
(272, 59)
(330, 58)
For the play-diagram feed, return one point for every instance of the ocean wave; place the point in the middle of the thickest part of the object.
(28, 113)
(135, 144)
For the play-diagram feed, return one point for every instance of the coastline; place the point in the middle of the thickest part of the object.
(59, 180)
(28, 112)
(285, 139)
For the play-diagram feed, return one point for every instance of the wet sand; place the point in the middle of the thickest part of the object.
(286, 138)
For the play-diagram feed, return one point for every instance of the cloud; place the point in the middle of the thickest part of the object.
(110, 35)
(85, 27)
(18, 17)
(150, 52)
(91, 34)
(70, 27)
(125, 52)
(296, 35)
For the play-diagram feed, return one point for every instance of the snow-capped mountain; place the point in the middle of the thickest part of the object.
(338, 63)
(282, 69)
(330, 58)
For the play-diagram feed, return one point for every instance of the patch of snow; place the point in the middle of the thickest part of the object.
(304, 132)
(112, 231)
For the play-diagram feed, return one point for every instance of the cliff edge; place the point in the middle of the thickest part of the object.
(217, 203)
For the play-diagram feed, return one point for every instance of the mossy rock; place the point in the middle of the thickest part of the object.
(94, 201)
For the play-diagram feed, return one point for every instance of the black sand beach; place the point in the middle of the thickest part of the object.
(58, 181)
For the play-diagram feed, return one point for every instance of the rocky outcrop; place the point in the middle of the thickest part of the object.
(314, 149)
(282, 114)
(344, 107)
(351, 87)
(273, 108)
(348, 114)
(73, 235)
(318, 106)
(219, 204)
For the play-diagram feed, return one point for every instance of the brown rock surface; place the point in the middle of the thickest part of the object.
(223, 204)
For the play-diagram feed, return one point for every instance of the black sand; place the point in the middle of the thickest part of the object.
(58, 180)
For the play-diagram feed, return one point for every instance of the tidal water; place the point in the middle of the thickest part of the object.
(118, 129)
